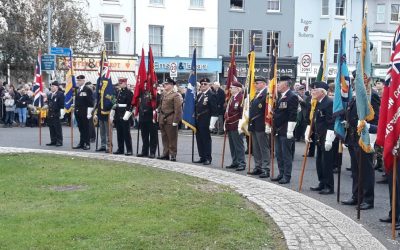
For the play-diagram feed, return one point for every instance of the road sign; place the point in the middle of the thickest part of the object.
(48, 62)
(60, 51)
(173, 71)
(305, 63)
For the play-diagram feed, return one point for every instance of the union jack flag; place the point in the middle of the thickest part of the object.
(105, 71)
(38, 86)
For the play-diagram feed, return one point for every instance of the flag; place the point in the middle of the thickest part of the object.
(342, 88)
(325, 58)
(38, 86)
(232, 73)
(104, 88)
(70, 86)
(389, 125)
(363, 90)
(320, 72)
(189, 106)
(152, 79)
(140, 81)
(272, 83)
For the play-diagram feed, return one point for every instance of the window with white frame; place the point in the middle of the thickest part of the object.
(274, 5)
(325, 8)
(196, 39)
(237, 4)
(274, 35)
(111, 37)
(157, 2)
(238, 35)
(336, 47)
(257, 34)
(156, 39)
(197, 3)
(380, 13)
(394, 14)
(374, 53)
(386, 52)
(321, 50)
(340, 7)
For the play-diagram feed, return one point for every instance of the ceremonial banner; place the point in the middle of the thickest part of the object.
(38, 85)
(189, 107)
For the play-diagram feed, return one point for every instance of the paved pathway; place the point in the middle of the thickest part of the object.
(305, 222)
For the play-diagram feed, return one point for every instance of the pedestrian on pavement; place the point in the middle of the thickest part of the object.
(220, 94)
(55, 105)
(22, 102)
(9, 102)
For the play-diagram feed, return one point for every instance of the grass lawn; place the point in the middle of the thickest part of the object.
(56, 202)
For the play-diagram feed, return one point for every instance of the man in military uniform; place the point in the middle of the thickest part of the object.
(285, 115)
(233, 113)
(169, 117)
(122, 113)
(206, 117)
(260, 146)
(323, 133)
(147, 124)
(55, 103)
(83, 112)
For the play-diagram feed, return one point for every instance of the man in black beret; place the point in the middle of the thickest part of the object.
(55, 103)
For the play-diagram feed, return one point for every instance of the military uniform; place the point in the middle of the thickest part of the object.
(83, 102)
(124, 98)
(170, 115)
(147, 126)
(55, 103)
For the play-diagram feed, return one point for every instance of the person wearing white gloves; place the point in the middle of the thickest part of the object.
(260, 145)
(169, 117)
(206, 117)
(123, 111)
(55, 103)
(83, 112)
(325, 136)
(285, 114)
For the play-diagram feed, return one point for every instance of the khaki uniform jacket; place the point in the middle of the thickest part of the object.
(170, 109)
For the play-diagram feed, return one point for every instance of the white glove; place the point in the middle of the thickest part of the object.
(127, 115)
(290, 129)
(330, 136)
(89, 113)
(268, 129)
(372, 139)
(307, 137)
(240, 126)
(213, 120)
(62, 113)
(367, 125)
(112, 113)
(174, 124)
(45, 107)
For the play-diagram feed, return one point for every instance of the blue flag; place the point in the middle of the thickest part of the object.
(343, 92)
(105, 90)
(71, 85)
(189, 105)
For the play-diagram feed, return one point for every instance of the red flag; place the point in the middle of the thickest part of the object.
(140, 81)
(38, 85)
(152, 79)
(231, 74)
(389, 124)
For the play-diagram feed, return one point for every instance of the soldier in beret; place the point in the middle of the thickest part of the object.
(169, 117)
(206, 117)
(55, 103)
(83, 112)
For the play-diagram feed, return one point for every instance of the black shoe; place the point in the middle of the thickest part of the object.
(283, 181)
(51, 144)
(207, 162)
(317, 188)
(93, 140)
(86, 147)
(264, 175)
(59, 144)
(118, 152)
(335, 170)
(163, 157)
(232, 166)
(255, 171)
(386, 219)
(246, 152)
(326, 191)
(366, 206)
(172, 158)
(128, 153)
(241, 168)
(141, 155)
(199, 161)
(350, 202)
(278, 178)
(101, 149)
(384, 180)
(348, 169)
(152, 156)
(79, 146)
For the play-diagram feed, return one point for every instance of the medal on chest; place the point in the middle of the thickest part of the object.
(205, 101)
(283, 105)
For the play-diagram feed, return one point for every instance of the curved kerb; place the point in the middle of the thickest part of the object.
(305, 222)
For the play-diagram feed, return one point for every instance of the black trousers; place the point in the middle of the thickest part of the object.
(123, 135)
(367, 174)
(83, 125)
(149, 137)
(324, 162)
(55, 130)
(203, 139)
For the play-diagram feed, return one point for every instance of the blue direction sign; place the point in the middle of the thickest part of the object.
(60, 51)
(48, 62)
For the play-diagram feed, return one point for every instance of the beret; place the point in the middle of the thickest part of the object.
(170, 81)
(205, 80)
(319, 85)
(122, 80)
(285, 78)
(260, 79)
(236, 84)
(80, 77)
(55, 83)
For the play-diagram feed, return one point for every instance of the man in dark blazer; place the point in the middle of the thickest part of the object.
(55, 103)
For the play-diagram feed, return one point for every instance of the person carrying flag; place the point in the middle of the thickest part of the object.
(55, 104)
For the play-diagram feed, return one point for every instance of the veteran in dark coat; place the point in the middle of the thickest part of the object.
(55, 103)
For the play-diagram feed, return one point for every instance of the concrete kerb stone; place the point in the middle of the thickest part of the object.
(305, 222)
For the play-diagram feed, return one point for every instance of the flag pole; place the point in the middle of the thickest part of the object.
(272, 139)
(98, 91)
(303, 167)
(110, 135)
(195, 103)
(359, 184)
(394, 198)
(339, 160)
(40, 125)
(72, 127)
(223, 151)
